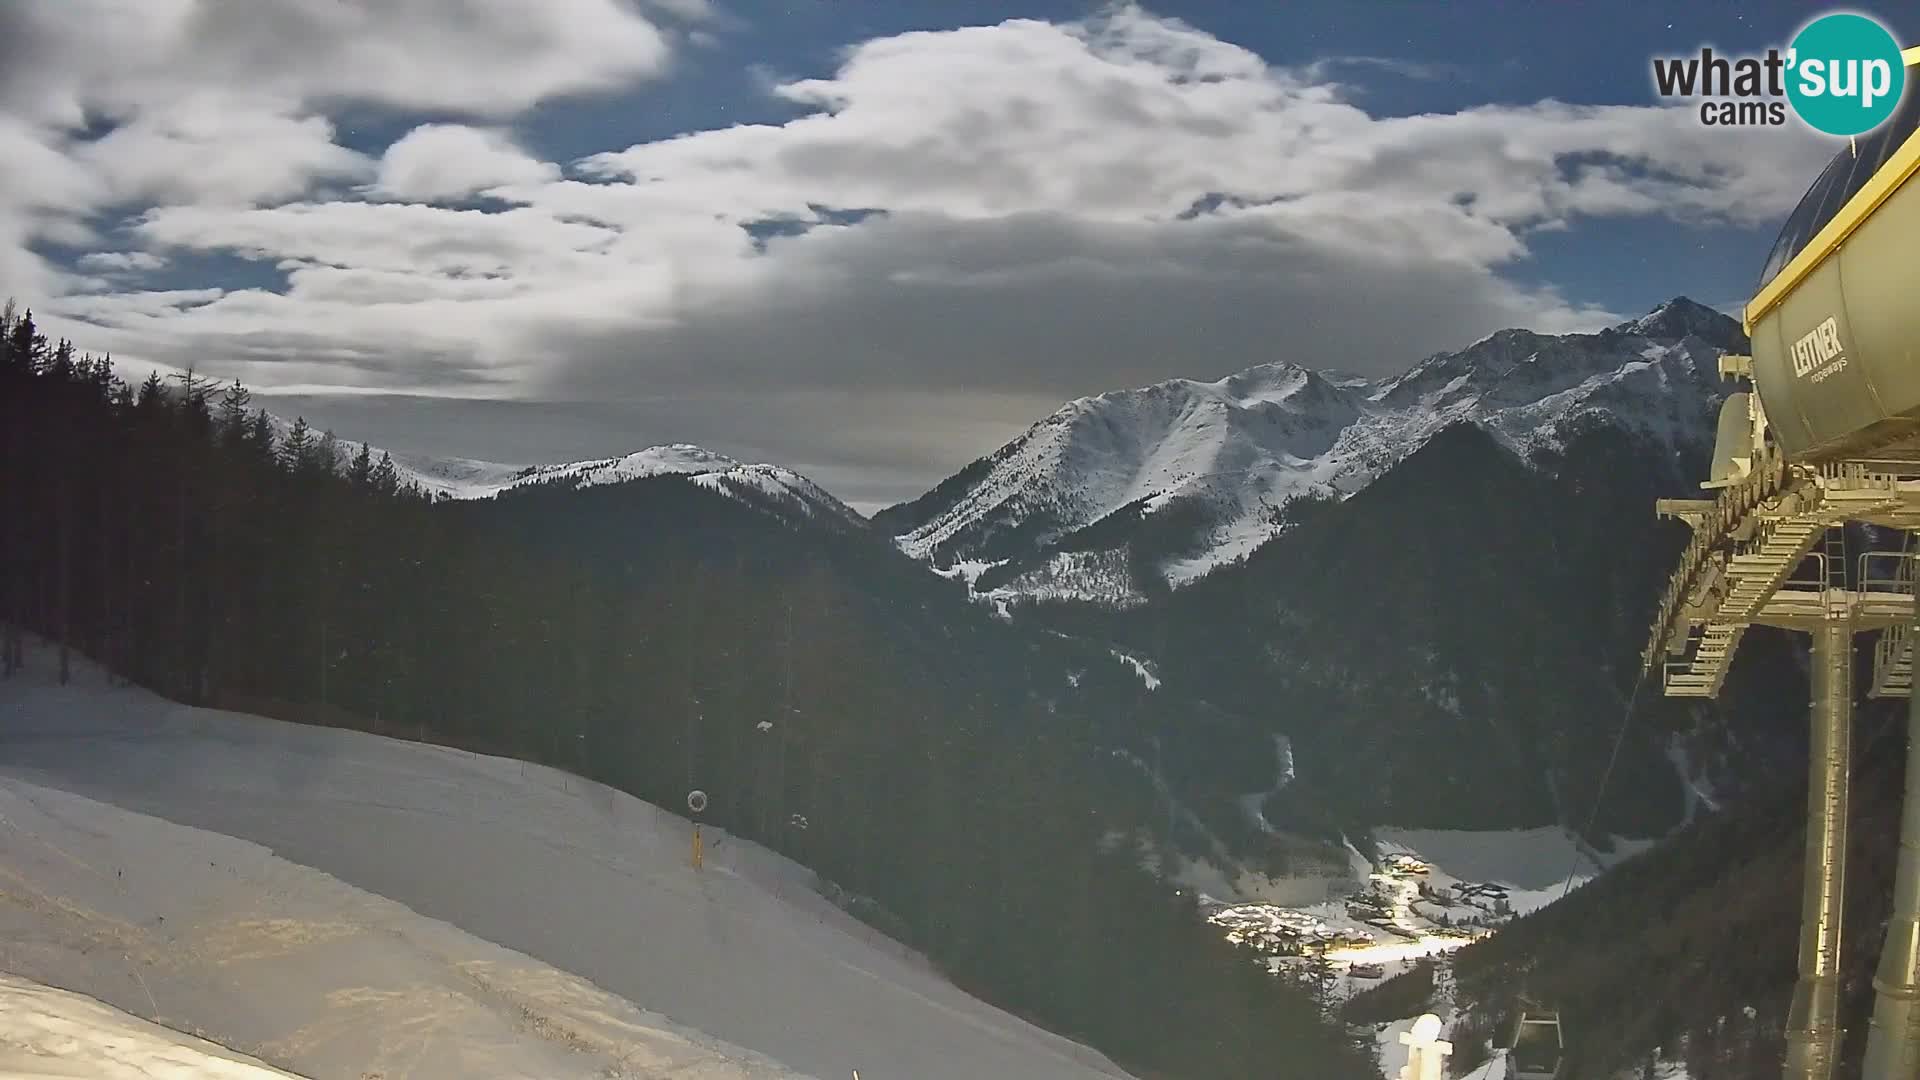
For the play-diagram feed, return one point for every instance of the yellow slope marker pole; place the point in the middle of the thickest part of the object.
(697, 805)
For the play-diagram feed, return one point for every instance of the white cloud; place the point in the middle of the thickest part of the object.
(449, 162)
(120, 261)
(216, 148)
(1067, 207)
(491, 57)
(227, 101)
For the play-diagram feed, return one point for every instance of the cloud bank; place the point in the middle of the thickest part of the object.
(958, 223)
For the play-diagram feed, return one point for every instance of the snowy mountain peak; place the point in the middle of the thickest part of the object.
(1681, 317)
(770, 487)
(673, 459)
(773, 488)
(1181, 476)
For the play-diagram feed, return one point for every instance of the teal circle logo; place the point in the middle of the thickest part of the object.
(1844, 74)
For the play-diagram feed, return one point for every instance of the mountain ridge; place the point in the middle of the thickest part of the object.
(1226, 457)
(781, 491)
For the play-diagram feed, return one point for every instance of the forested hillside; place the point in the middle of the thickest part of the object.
(839, 704)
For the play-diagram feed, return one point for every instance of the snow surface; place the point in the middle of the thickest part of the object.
(352, 884)
(219, 936)
(1242, 446)
(48, 1032)
(1532, 865)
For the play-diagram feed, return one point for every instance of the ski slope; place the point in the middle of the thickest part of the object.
(307, 895)
(48, 1032)
(217, 936)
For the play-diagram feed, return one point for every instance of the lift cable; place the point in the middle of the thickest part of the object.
(1600, 795)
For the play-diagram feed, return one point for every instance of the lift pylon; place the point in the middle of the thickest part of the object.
(1830, 434)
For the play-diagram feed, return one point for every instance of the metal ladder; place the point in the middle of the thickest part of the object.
(1893, 653)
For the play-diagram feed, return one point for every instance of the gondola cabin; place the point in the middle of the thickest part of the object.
(1537, 1052)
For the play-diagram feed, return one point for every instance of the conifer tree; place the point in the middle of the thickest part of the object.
(153, 395)
(296, 452)
(232, 416)
(260, 438)
(360, 473)
(326, 455)
(60, 362)
(24, 345)
(386, 478)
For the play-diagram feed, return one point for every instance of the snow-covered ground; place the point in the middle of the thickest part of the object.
(49, 1032)
(219, 937)
(341, 904)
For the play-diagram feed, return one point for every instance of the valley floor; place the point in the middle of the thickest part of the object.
(339, 904)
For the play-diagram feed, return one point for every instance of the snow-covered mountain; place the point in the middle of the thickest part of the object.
(1166, 482)
(773, 488)
(767, 486)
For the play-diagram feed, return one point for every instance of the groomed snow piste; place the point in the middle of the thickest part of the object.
(48, 1032)
(339, 904)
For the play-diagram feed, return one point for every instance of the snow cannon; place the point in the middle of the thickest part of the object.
(1834, 325)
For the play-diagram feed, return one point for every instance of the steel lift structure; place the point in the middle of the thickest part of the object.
(1828, 434)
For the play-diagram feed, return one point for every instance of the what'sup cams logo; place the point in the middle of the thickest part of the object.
(1842, 75)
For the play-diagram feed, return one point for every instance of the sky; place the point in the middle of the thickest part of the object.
(870, 240)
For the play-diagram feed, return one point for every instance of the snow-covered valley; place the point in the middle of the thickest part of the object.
(1431, 892)
(340, 904)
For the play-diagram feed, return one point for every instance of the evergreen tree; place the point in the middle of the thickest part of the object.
(260, 438)
(60, 363)
(386, 478)
(360, 472)
(326, 455)
(153, 395)
(24, 346)
(296, 452)
(232, 417)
